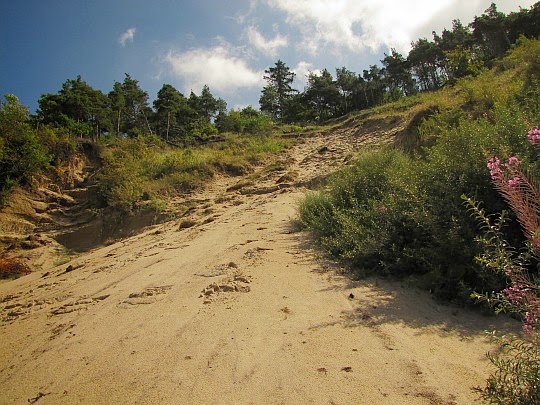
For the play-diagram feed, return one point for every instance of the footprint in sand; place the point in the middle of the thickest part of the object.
(237, 283)
(147, 296)
(17, 309)
(81, 304)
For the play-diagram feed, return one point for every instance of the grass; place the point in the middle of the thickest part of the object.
(134, 168)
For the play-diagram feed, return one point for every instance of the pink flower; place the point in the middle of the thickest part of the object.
(513, 161)
(534, 135)
(494, 167)
(516, 293)
(514, 181)
(531, 318)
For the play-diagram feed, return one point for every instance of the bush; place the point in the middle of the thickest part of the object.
(121, 179)
(401, 215)
(371, 216)
(21, 153)
(245, 121)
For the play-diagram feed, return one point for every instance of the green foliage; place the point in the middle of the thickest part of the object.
(21, 153)
(517, 376)
(173, 113)
(58, 142)
(245, 121)
(77, 107)
(278, 91)
(401, 214)
(516, 379)
(322, 96)
(370, 217)
(138, 169)
(120, 181)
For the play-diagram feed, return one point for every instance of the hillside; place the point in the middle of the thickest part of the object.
(55, 218)
(278, 268)
(229, 304)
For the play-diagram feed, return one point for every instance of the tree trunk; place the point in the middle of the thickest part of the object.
(118, 123)
(168, 124)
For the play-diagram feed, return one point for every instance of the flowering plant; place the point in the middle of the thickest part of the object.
(523, 196)
(517, 378)
(534, 135)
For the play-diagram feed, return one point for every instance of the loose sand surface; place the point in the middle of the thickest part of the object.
(231, 305)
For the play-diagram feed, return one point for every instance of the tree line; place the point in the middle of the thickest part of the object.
(465, 50)
(125, 111)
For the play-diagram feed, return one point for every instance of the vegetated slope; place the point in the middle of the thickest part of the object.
(229, 304)
(400, 211)
(109, 191)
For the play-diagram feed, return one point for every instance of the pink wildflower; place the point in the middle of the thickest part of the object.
(494, 167)
(534, 135)
(531, 319)
(514, 181)
(513, 161)
(516, 293)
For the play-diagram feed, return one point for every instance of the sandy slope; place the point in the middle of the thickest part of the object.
(235, 309)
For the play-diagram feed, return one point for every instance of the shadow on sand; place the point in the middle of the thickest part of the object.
(376, 301)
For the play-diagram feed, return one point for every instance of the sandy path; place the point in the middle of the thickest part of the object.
(235, 309)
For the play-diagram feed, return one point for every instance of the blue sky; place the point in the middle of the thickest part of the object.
(225, 44)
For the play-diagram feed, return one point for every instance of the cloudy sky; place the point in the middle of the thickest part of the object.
(225, 44)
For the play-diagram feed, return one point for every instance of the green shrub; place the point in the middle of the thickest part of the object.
(372, 216)
(401, 215)
(121, 178)
(245, 121)
(21, 152)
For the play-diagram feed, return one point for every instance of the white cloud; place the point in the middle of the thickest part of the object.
(267, 46)
(218, 67)
(127, 36)
(302, 70)
(353, 25)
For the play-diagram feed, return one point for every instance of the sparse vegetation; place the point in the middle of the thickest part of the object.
(140, 168)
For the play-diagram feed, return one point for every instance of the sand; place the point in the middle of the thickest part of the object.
(233, 305)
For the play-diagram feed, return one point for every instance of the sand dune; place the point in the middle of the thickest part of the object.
(231, 305)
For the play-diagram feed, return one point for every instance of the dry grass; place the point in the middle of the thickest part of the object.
(13, 268)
